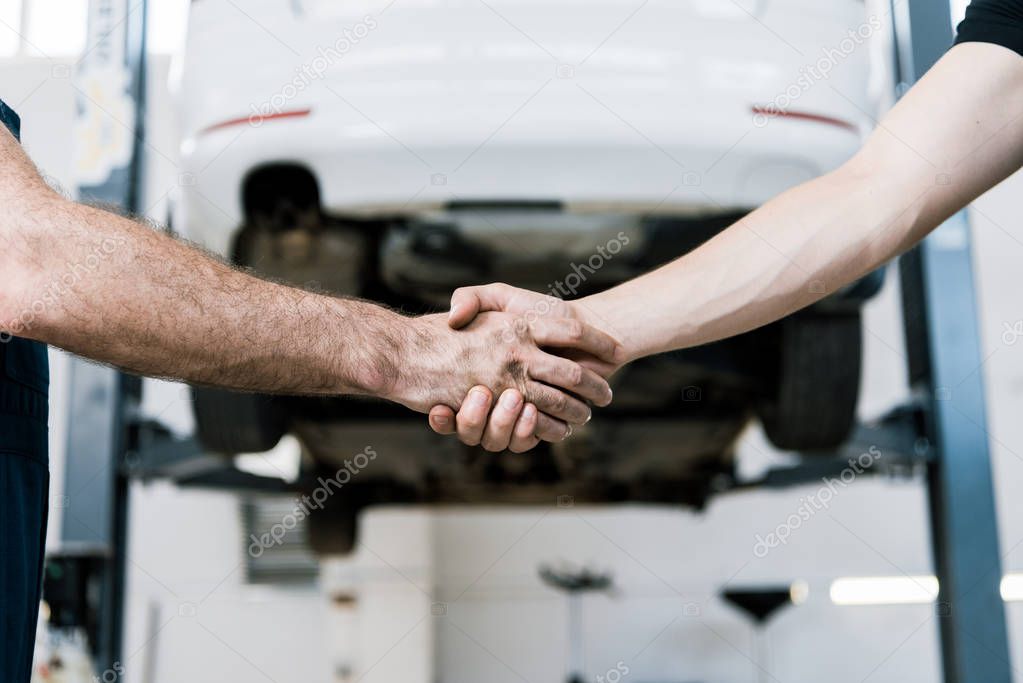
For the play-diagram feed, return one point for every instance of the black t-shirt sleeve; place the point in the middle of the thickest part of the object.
(10, 119)
(993, 21)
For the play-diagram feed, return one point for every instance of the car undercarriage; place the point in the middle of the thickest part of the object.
(671, 432)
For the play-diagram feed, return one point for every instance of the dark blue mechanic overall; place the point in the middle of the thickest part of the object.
(24, 484)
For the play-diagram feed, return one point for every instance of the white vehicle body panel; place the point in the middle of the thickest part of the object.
(598, 105)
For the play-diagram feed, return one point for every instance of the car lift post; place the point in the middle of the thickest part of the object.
(945, 369)
(101, 424)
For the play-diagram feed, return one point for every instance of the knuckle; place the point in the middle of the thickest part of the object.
(507, 417)
(472, 417)
(559, 402)
(574, 330)
(575, 375)
(501, 421)
(471, 424)
(515, 370)
(523, 445)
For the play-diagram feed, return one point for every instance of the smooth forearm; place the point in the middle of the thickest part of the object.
(801, 246)
(112, 290)
(916, 169)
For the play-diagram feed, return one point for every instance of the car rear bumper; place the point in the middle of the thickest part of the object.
(517, 100)
(601, 157)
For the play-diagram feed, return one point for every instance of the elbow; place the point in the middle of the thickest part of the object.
(867, 169)
(28, 300)
(891, 168)
(894, 199)
(19, 312)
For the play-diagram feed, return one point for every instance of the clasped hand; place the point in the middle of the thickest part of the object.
(550, 363)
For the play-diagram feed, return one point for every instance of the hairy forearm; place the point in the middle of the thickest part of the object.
(113, 290)
(110, 289)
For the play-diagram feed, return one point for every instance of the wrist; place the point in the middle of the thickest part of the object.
(372, 352)
(419, 358)
(595, 312)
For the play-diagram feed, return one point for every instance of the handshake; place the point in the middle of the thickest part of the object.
(506, 368)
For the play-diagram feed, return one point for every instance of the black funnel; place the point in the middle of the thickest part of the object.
(760, 603)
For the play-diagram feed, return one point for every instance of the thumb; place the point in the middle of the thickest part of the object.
(442, 419)
(468, 302)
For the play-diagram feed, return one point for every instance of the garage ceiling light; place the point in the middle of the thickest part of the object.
(884, 590)
(905, 590)
(1012, 588)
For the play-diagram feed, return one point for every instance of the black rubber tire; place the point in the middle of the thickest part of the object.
(333, 529)
(813, 406)
(229, 422)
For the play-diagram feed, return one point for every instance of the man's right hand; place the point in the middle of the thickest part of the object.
(499, 351)
(531, 307)
(513, 423)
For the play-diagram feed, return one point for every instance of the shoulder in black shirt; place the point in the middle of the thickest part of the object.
(993, 21)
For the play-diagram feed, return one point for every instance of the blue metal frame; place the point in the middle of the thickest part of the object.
(102, 401)
(939, 307)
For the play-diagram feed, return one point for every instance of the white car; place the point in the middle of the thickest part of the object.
(397, 149)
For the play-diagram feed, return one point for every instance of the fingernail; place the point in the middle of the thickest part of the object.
(453, 311)
(441, 420)
(529, 411)
(588, 418)
(478, 398)
(510, 400)
(568, 432)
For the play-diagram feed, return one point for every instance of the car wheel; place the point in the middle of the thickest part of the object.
(813, 405)
(333, 528)
(230, 422)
